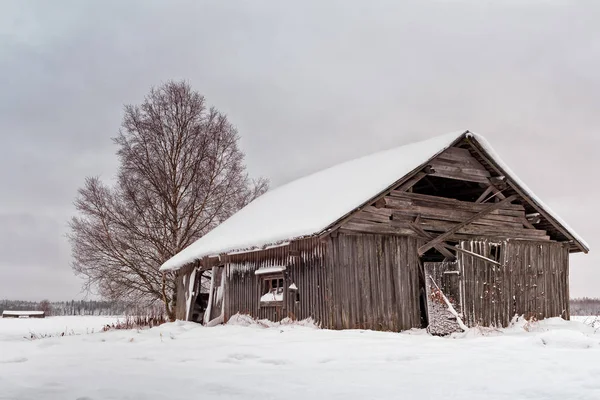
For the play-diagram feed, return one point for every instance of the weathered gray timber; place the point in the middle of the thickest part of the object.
(457, 224)
(346, 282)
(532, 280)
(305, 268)
(183, 291)
(375, 281)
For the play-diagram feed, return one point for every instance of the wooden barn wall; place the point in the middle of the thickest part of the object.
(374, 281)
(533, 280)
(182, 291)
(364, 281)
(305, 267)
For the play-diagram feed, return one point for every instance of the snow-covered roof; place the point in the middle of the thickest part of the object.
(6, 312)
(310, 205)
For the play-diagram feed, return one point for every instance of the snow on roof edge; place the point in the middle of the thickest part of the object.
(184, 257)
(427, 149)
(482, 141)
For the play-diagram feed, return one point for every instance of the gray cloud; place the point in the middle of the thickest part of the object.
(308, 85)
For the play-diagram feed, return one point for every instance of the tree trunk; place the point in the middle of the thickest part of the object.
(170, 312)
(171, 303)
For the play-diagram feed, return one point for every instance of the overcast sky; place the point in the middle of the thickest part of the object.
(308, 85)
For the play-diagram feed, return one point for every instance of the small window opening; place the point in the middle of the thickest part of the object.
(272, 289)
(495, 252)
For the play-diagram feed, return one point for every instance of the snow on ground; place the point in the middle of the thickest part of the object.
(552, 359)
(592, 320)
(21, 328)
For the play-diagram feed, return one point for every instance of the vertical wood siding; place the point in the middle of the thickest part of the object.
(374, 281)
(371, 281)
(182, 291)
(533, 280)
(349, 281)
(305, 267)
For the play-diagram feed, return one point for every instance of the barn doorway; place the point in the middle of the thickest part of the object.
(444, 292)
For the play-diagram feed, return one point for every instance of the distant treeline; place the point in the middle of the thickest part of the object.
(81, 307)
(585, 306)
(580, 306)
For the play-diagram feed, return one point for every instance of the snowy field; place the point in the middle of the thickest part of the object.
(552, 359)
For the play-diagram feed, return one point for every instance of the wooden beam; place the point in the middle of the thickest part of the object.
(375, 228)
(422, 199)
(475, 217)
(485, 194)
(445, 166)
(492, 188)
(455, 173)
(435, 227)
(496, 189)
(380, 203)
(479, 256)
(411, 182)
(456, 214)
(428, 169)
(445, 252)
(528, 224)
(498, 180)
(533, 218)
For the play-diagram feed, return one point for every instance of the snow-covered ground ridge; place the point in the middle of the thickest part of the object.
(247, 359)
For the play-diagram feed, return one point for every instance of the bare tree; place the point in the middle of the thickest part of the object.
(46, 307)
(181, 173)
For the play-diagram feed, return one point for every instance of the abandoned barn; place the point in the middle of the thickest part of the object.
(438, 233)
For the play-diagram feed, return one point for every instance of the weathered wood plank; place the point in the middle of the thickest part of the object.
(472, 254)
(481, 230)
(419, 231)
(485, 194)
(411, 182)
(448, 214)
(448, 218)
(462, 167)
(480, 214)
(519, 285)
(456, 153)
(375, 228)
(419, 199)
(458, 174)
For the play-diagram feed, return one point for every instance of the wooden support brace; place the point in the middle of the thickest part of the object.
(528, 224)
(485, 194)
(439, 247)
(479, 256)
(411, 182)
(441, 238)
